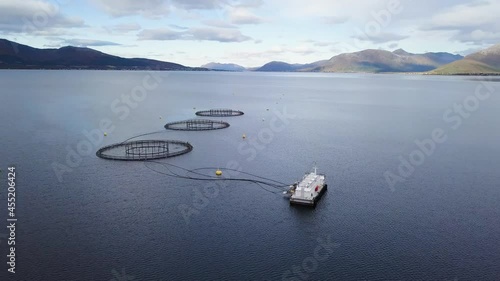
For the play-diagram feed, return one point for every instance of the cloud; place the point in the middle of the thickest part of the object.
(215, 4)
(275, 52)
(161, 8)
(250, 3)
(217, 34)
(393, 45)
(475, 22)
(199, 4)
(89, 43)
(303, 50)
(218, 23)
(478, 36)
(381, 37)
(34, 17)
(200, 33)
(146, 8)
(123, 28)
(160, 34)
(335, 19)
(320, 43)
(241, 15)
(179, 27)
(326, 9)
(469, 51)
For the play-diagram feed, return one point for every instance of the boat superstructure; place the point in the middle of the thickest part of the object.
(309, 190)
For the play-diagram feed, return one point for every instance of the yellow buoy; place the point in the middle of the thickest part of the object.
(105, 134)
(218, 173)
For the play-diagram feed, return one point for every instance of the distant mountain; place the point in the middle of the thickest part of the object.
(377, 61)
(224, 66)
(483, 62)
(18, 56)
(279, 66)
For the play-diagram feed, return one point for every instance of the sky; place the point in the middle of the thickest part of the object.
(252, 32)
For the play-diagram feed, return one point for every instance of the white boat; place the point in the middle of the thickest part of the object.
(309, 190)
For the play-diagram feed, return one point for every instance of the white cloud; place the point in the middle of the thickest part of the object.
(382, 37)
(89, 43)
(217, 34)
(476, 22)
(161, 8)
(240, 15)
(199, 4)
(34, 17)
(335, 19)
(477, 13)
(146, 8)
(393, 46)
(339, 9)
(199, 33)
(478, 36)
(275, 52)
(160, 34)
(218, 23)
(123, 28)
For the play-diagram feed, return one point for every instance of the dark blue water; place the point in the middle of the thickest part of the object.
(121, 221)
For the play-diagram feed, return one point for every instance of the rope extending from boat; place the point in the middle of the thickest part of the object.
(196, 175)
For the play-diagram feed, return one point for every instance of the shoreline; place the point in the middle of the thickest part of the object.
(225, 71)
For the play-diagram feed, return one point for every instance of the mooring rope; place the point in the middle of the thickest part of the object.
(203, 177)
(146, 134)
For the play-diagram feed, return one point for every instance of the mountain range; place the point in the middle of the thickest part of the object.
(370, 61)
(377, 61)
(224, 66)
(483, 62)
(18, 56)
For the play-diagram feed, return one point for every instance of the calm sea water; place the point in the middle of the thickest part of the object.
(121, 221)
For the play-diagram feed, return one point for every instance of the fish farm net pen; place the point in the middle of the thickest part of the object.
(144, 150)
(219, 113)
(197, 125)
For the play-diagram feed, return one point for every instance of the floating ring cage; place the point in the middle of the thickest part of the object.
(144, 150)
(219, 113)
(197, 125)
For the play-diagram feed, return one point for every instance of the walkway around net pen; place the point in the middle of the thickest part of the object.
(197, 125)
(144, 150)
(219, 113)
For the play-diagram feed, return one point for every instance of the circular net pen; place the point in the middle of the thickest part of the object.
(197, 125)
(219, 113)
(144, 150)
